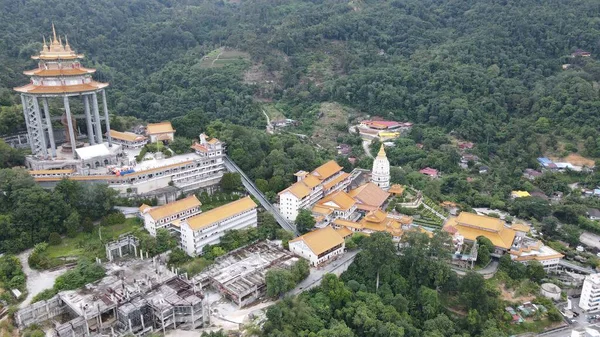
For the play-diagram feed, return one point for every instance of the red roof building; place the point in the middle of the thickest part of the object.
(428, 171)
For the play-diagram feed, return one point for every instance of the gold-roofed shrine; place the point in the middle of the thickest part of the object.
(59, 74)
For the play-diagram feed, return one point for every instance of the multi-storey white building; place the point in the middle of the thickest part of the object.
(188, 172)
(590, 293)
(164, 216)
(207, 228)
(526, 249)
(380, 173)
(318, 246)
(311, 187)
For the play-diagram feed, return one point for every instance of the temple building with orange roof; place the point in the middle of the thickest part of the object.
(162, 131)
(513, 240)
(311, 187)
(471, 226)
(319, 246)
(380, 221)
(369, 197)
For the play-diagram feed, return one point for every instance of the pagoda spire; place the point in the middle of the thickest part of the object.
(54, 34)
(45, 48)
(381, 152)
(67, 46)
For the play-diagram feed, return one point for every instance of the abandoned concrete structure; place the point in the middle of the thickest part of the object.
(240, 274)
(138, 297)
(125, 245)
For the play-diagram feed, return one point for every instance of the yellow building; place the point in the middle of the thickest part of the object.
(471, 226)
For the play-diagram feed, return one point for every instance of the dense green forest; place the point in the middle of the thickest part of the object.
(29, 214)
(411, 294)
(489, 70)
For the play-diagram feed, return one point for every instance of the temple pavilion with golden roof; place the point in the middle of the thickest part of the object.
(59, 74)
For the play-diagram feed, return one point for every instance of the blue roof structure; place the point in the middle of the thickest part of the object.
(544, 161)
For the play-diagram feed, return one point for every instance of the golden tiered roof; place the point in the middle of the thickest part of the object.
(48, 78)
(55, 50)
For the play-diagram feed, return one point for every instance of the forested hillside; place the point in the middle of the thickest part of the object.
(481, 68)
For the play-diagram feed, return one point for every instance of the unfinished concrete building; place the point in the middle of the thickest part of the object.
(240, 274)
(138, 297)
(125, 245)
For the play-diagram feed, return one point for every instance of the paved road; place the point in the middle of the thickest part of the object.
(316, 275)
(269, 127)
(249, 185)
(365, 145)
(487, 272)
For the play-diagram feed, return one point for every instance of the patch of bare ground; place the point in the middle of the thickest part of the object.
(332, 122)
(510, 295)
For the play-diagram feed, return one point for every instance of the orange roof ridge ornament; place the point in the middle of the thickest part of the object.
(45, 47)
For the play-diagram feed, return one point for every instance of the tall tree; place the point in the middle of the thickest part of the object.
(304, 222)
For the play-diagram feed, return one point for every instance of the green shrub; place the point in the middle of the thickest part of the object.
(54, 239)
(44, 295)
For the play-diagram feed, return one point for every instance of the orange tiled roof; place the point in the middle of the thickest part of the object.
(127, 136)
(321, 240)
(157, 128)
(347, 223)
(396, 189)
(340, 200)
(310, 181)
(143, 208)
(40, 172)
(59, 72)
(335, 181)
(326, 170)
(369, 195)
(299, 190)
(317, 209)
(479, 221)
(207, 218)
(175, 207)
(500, 236)
(344, 232)
(59, 89)
(199, 147)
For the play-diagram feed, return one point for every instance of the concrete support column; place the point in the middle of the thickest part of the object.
(38, 116)
(27, 124)
(88, 119)
(70, 125)
(49, 126)
(97, 123)
(106, 118)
